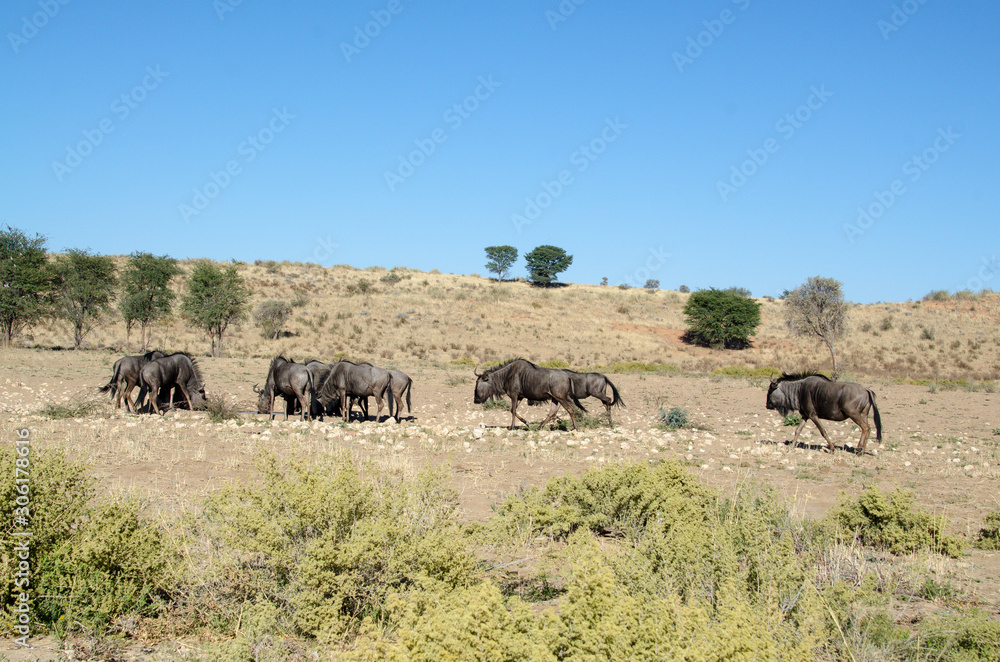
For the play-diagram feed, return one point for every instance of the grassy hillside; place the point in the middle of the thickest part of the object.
(404, 317)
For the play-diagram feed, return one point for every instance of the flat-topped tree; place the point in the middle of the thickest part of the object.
(545, 263)
(501, 259)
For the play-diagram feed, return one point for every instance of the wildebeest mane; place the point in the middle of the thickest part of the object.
(194, 365)
(796, 376)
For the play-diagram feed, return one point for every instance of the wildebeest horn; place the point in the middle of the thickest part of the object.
(255, 389)
(474, 371)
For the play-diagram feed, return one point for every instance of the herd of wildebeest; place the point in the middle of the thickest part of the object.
(315, 389)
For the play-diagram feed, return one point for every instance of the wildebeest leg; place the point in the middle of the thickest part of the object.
(568, 406)
(862, 421)
(552, 414)
(795, 437)
(187, 397)
(815, 419)
(514, 415)
(123, 388)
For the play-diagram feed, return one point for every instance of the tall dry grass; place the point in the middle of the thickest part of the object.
(403, 317)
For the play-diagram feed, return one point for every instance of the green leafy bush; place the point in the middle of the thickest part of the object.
(90, 563)
(793, 418)
(332, 547)
(989, 535)
(721, 319)
(889, 521)
(673, 419)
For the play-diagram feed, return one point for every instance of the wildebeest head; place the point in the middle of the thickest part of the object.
(263, 398)
(484, 388)
(778, 399)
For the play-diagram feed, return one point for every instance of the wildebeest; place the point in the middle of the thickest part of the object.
(348, 380)
(174, 370)
(594, 384)
(290, 380)
(815, 397)
(125, 377)
(401, 387)
(520, 379)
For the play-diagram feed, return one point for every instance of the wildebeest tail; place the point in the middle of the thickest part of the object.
(113, 384)
(878, 419)
(616, 401)
(388, 394)
(409, 387)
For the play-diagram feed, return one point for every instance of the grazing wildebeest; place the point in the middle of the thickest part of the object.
(519, 379)
(125, 377)
(290, 380)
(174, 370)
(321, 406)
(815, 397)
(348, 380)
(594, 384)
(401, 386)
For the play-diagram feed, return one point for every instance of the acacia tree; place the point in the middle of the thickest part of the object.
(26, 282)
(215, 299)
(86, 285)
(546, 262)
(271, 316)
(501, 259)
(721, 318)
(817, 308)
(146, 294)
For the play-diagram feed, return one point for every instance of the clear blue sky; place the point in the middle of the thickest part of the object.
(615, 130)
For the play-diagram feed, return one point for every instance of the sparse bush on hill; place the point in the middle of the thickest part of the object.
(937, 295)
(652, 284)
(501, 259)
(817, 308)
(215, 298)
(684, 289)
(271, 316)
(721, 319)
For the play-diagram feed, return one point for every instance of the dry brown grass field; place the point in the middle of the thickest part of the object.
(942, 435)
(401, 317)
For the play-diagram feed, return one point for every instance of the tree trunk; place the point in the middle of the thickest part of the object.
(833, 355)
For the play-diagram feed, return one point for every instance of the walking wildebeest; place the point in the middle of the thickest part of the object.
(815, 397)
(125, 377)
(401, 386)
(348, 380)
(594, 384)
(166, 372)
(520, 379)
(292, 381)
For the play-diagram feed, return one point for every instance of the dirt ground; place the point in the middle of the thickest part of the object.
(944, 445)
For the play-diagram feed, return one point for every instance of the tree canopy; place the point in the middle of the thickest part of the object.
(27, 282)
(146, 294)
(501, 259)
(817, 308)
(545, 263)
(721, 318)
(216, 297)
(86, 285)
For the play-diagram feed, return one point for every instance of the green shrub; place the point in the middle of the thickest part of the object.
(721, 319)
(989, 535)
(91, 563)
(73, 410)
(889, 521)
(673, 419)
(792, 418)
(499, 403)
(333, 547)
(222, 408)
(937, 295)
(742, 371)
(554, 363)
(629, 367)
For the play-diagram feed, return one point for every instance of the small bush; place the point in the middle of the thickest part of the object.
(684, 289)
(989, 535)
(937, 295)
(271, 316)
(793, 418)
(652, 284)
(499, 403)
(889, 521)
(673, 419)
(73, 410)
(222, 408)
(554, 363)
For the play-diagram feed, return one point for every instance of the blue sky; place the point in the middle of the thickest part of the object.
(712, 144)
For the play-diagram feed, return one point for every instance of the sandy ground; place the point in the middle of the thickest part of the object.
(944, 445)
